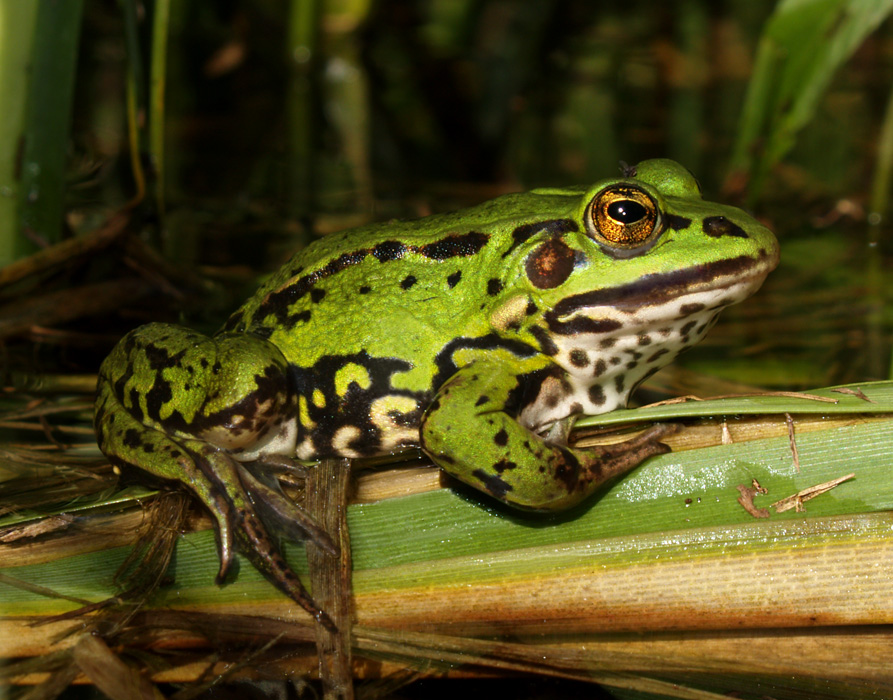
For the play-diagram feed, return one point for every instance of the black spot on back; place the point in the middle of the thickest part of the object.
(389, 250)
(455, 245)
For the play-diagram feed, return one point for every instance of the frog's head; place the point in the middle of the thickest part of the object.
(637, 274)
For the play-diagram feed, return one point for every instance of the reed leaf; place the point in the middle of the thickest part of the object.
(668, 550)
(802, 46)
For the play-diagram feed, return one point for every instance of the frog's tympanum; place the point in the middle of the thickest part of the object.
(477, 335)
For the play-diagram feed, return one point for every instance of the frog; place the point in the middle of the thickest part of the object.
(476, 336)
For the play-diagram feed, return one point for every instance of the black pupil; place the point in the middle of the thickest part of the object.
(626, 211)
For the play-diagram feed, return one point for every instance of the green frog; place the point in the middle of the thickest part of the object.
(477, 336)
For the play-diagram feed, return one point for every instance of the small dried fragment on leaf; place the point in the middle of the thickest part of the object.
(756, 394)
(726, 434)
(793, 441)
(747, 496)
(796, 501)
(853, 392)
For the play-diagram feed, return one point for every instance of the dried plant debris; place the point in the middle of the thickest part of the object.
(747, 494)
(326, 500)
(789, 421)
(794, 501)
(756, 394)
(37, 528)
(853, 392)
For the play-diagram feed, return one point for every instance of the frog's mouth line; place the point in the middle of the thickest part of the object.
(658, 289)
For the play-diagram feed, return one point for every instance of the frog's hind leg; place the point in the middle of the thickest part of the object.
(223, 486)
(242, 492)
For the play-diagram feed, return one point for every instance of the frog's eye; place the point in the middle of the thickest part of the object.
(624, 217)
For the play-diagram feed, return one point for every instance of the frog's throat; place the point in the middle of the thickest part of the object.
(607, 351)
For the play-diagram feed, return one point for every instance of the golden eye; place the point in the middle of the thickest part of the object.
(623, 216)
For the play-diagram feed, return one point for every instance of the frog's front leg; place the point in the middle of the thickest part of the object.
(472, 431)
(182, 407)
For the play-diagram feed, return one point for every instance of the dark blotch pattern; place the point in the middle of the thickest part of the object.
(579, 358)
(547, 345)
(388, 251)
(493, 483)
(504, 465)
(455, 246)
(719, 226)
(353, 408)
(597, 395)
(454, 278)
(446, 366)
(554, 227)
(656, 356)
(280, 302)
(550, 264)
(677, 223)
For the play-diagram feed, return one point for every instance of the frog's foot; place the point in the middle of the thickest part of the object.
(605, 462)
(237, 500)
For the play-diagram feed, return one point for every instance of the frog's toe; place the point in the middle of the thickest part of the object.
(291, 518)
(221, 511)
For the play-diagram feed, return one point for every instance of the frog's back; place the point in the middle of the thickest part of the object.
(437, 272)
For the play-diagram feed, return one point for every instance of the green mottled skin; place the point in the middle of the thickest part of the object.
(477, 335)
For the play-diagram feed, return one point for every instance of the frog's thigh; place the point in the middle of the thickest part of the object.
(471, 432)
(127, 441)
